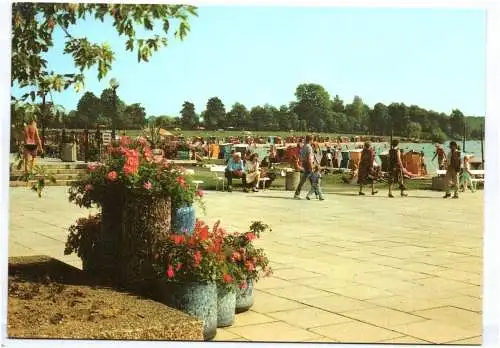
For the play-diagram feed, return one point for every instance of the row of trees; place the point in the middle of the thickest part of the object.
(90, 112)
(314, 110)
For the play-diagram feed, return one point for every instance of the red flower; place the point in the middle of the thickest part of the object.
(203, 233)
(197, 258)
(227, 278)
(170, 272)
(181, 180)
(178, 238)
(192, 241)
(236, 256)
(200, 193)
(112, 176)
(250, 236)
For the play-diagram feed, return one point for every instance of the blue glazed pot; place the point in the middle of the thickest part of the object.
(196, 299)
(226, 305)
(184, 220)
(244, 297)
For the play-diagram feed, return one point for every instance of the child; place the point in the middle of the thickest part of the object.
(466, 176)
(315, 179)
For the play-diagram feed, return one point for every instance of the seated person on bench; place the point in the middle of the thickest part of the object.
(253, 175)
(235, 169)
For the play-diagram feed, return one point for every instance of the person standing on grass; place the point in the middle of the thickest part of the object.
(453, 170)
(32, 144)
(366, 169)
(307, 160)
(396, 169)
(236, 169)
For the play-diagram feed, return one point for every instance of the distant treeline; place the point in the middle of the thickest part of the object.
(313, 111)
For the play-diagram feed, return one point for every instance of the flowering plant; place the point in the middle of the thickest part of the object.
(213, 256)
(83, 238)
(189, 258)
(131, 167)
(247, 262)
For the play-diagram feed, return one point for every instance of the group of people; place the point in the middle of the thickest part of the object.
(369, 172)
(250, 170)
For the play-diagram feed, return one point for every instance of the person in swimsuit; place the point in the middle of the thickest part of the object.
(32, 144)
(441, 155)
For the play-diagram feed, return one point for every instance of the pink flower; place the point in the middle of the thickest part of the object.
(250, 236)
(243, 285)
(89, 187)
(200, 193)
(112, 176)
(170, 272)
(92, 167)
(148, 185)
(236, 256)
(178, 267)
(124, 141)
(250, 266)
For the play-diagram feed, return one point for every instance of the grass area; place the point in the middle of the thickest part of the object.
(330, 182)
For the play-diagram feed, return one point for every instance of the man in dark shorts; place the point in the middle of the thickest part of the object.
(32, 144)
(306, 160)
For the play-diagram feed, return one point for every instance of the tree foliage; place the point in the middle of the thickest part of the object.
(215, 113)
(34, 24)
(189, 119)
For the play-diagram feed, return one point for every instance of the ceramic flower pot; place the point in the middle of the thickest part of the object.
(244, 297)
(193, 298)
(226, 305)
(184, 220)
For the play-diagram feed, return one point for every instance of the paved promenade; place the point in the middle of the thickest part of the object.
(349, 269)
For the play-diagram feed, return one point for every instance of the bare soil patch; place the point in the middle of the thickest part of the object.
(49, 299)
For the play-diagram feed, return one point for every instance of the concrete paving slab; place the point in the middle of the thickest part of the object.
(419, 254)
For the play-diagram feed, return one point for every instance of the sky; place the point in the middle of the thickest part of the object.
(434, 58)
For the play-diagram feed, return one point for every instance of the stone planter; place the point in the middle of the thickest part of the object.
(184, 220)
(244, 297)
(146, 223)
(226, 306)
(196, 299)
(133, 225)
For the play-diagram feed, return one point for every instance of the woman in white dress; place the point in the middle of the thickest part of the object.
(253, 171)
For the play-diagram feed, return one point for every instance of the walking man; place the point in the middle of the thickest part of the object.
(453, 170)
(306, 159)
